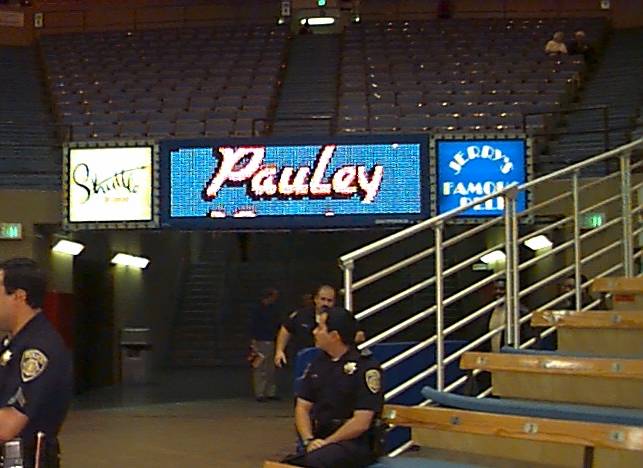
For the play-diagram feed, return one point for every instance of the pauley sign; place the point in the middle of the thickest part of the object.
(245, 166)
(470, 170)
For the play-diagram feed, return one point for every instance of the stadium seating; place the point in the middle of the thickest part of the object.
(464, 75)
(550, 377)
(527, 439)
(619, 332)
(187, 83)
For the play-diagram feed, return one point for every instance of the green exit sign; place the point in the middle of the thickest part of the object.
(12, 231)
(593, 220)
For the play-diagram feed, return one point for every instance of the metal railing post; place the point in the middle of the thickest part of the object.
(348, 284)
(439, 315)
(515, 271)
(509, 274)
(626, 207)
(577, 242)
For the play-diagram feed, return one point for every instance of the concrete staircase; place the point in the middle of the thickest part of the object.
(30, 154)
(308, 100)
(199, 330)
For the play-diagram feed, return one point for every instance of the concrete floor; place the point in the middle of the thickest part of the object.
(200, 418)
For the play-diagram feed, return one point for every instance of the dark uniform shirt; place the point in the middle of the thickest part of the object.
(264, 322)
(300, 324)
(338, 388)
(36, 379)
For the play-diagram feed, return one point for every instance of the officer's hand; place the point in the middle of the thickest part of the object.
(280, 358)
(315, 444)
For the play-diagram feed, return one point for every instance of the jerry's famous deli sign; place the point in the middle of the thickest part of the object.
(469, 169)
(271, 184)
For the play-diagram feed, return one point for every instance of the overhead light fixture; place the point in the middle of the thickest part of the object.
(130, 260)
(538, 242)
(318, 21)
(68, 247)
(493, 257)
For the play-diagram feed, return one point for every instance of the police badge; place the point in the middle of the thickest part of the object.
(373, 380)
(32, 364)
(5, 357)
(350, 368)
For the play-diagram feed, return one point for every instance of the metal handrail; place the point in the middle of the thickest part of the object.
(514, 265)
(429, 223)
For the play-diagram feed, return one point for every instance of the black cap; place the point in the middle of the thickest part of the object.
(342, 321)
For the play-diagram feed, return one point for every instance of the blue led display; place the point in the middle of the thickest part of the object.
(225, 184)
(470, 169)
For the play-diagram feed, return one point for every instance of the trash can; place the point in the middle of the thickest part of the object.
(136, 347)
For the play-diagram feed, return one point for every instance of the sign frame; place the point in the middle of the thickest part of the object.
(463, 137)
(303, 222)
(69, 225)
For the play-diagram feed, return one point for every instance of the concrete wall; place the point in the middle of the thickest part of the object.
(105, 15)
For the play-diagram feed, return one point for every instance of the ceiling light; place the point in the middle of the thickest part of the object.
(68, 247)
(318, 21)
(130, 260)
(538, 242)
(493, 257)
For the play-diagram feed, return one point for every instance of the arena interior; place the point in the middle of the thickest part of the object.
(160, 349)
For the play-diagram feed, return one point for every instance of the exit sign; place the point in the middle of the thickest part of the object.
(11, 231)
(593, 220)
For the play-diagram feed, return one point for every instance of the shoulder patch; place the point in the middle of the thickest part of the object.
(373, 380)
(32, 364)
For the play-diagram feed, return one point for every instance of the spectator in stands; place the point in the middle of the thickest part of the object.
(556, 45)
(568, 285)
(264, 321)
(580, 46)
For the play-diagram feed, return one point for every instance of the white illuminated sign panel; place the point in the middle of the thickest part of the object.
(110, 184)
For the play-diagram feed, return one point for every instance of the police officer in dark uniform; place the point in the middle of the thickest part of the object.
(301, 323)
(340, 399)
(36, 377)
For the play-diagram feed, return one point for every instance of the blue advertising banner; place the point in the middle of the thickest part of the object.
(274, 185)
(470, 169)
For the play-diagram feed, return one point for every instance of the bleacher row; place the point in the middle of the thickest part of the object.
(467, 75)
(187, 82)
(408, 76)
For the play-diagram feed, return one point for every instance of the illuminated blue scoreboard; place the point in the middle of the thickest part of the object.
(270, 184)
(469, 169)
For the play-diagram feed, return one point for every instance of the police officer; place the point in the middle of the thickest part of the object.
(36, 375)
(340, 399)
(301, 324)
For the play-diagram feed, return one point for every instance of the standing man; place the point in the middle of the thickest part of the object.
(301, 324)
(263, 328)
(36, 375)
(340, 399)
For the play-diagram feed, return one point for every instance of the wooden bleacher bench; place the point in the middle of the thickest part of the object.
(524, 438)
(627, 292)
(585, 380)
(609, 333)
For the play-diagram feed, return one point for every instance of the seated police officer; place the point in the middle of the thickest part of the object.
(35, 367)
(340, 399)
